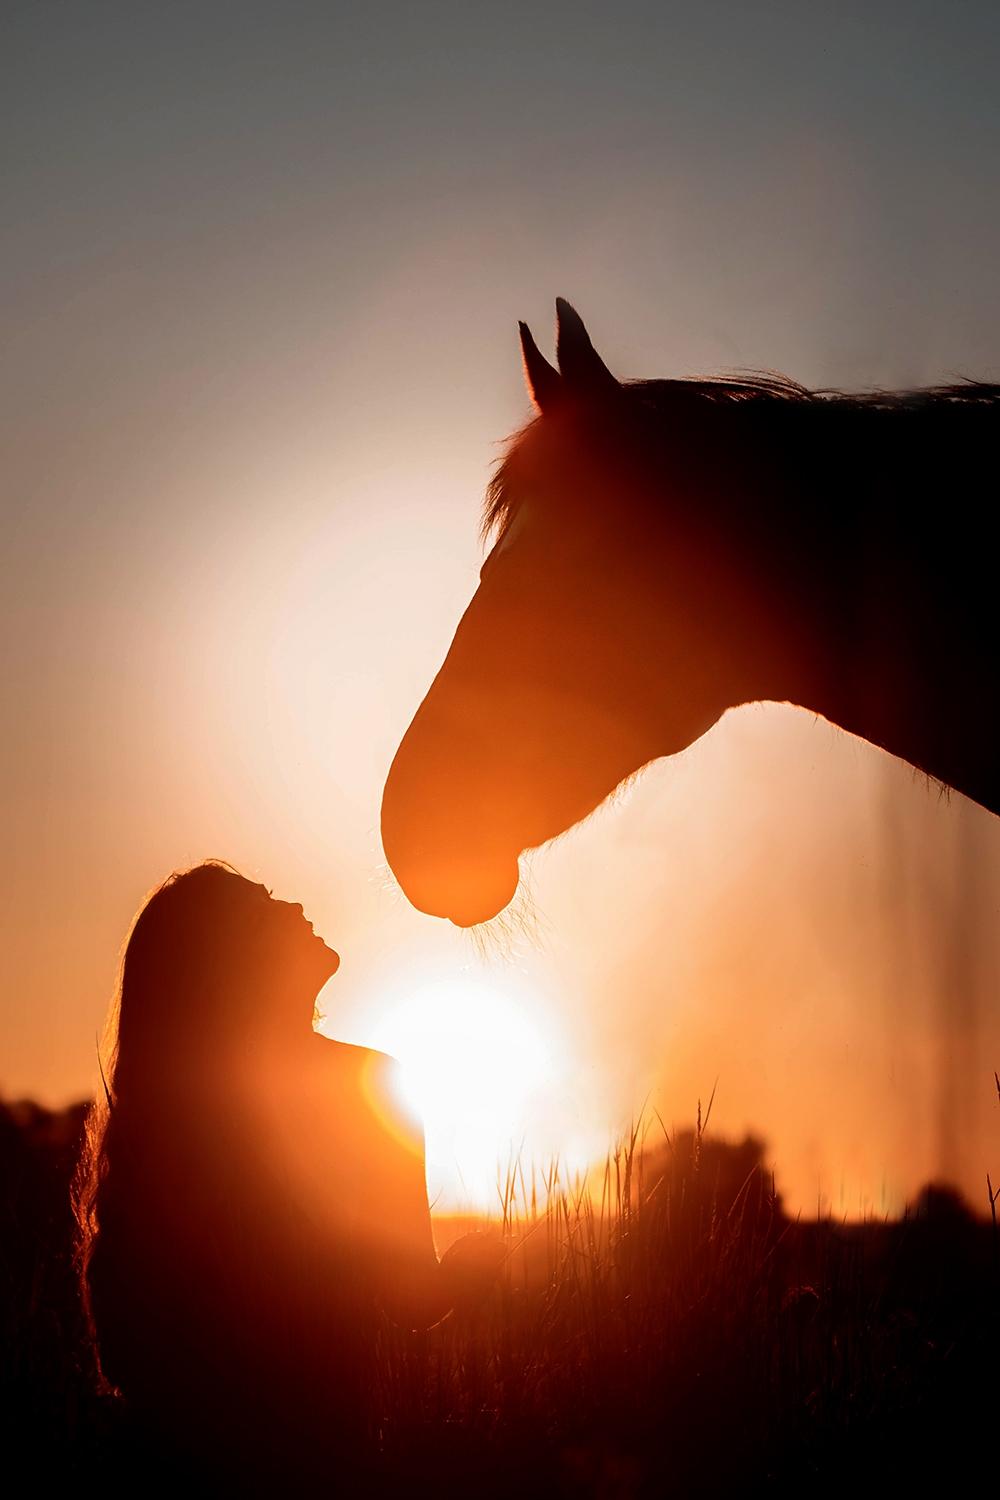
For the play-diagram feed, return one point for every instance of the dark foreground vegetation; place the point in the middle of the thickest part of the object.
(666, 1331)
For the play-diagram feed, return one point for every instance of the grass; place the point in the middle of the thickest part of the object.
(661, 1327)
(666, 1329)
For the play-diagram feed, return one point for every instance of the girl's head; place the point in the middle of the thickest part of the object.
(212, 955)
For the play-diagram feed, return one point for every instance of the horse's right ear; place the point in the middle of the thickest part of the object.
(545, 385)
(582, 368)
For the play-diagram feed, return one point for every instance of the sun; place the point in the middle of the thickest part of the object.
(475, 1064)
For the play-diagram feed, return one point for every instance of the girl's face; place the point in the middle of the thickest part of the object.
(297, 943)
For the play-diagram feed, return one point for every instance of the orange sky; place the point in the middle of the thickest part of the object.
(260, 349)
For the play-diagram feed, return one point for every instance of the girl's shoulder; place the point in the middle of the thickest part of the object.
(373, 1082)
(349, 1058)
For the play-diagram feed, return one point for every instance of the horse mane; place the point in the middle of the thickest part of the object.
(756, 393)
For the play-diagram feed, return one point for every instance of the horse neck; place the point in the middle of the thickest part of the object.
(892, 602)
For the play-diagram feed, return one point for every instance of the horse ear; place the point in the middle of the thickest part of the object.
(545, 385)
(581, 366)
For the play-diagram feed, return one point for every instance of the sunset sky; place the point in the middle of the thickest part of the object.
(262, 270)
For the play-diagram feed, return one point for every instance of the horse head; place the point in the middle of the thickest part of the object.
(596, 592)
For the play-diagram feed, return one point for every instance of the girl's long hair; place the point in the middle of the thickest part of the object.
(189, 974)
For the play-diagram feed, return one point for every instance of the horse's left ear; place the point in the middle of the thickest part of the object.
(580, 365)
(545, 385)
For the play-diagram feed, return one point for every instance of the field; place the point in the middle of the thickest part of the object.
(663, 1328)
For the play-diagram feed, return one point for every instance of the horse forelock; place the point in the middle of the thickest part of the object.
(503, 492)
(753, 393)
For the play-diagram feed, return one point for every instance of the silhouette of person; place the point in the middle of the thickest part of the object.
(252, 1194)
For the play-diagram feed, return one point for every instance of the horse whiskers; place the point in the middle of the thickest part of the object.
(520, 925)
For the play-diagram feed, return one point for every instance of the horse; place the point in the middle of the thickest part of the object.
(665, 550)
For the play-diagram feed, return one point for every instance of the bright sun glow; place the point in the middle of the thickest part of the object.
(474, 1064)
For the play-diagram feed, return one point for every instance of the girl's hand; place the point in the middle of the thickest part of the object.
(472, 1264)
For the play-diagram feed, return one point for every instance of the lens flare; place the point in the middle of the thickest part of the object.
(474, 1064)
